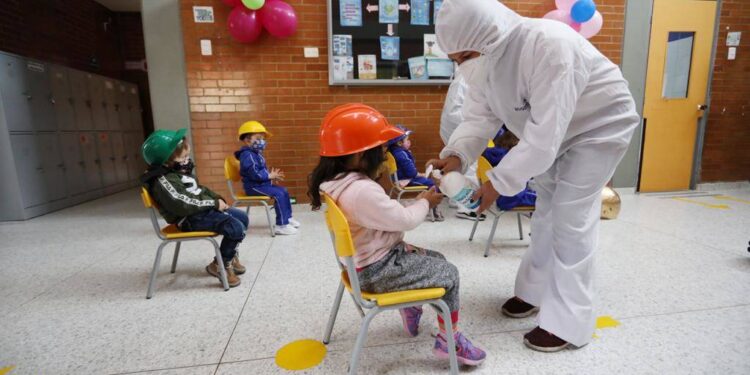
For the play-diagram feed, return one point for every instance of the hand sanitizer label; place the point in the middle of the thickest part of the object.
(464, 199)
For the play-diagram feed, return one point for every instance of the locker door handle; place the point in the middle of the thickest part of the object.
(52, 100)
(28, 97)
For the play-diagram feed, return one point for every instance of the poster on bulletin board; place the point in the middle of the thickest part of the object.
(385, 42)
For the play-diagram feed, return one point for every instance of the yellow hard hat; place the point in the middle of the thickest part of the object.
(253, 127)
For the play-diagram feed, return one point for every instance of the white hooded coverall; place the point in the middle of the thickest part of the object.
(574, 115)
(452, 116)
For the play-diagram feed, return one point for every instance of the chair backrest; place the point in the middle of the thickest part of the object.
(339, 228)
(232, 168)
(150, 204)
(483, 166)
(390, 164)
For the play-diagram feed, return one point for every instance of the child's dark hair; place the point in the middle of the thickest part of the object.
(246, 135)
(330, 167)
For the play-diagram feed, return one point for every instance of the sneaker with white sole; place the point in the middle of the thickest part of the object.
(285, 230)
(467, 353)
(293, 222)
(470, 216)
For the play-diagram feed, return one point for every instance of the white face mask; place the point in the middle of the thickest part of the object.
(473, 70)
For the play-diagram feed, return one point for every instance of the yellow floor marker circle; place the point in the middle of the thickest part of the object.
(300, 354)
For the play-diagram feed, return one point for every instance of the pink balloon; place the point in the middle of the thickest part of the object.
(592, 26)
(244, 24)
(232, 3)
(278, 18)
(565, 5)
(564, 17)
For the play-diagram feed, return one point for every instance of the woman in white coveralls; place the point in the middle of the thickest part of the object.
(574, 115)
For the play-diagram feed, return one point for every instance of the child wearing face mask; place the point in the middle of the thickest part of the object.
(258, 180)
(407, 174)
(182, 201)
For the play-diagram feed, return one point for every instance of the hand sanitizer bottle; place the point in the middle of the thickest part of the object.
(457, 187)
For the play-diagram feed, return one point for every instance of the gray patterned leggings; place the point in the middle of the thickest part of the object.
(408, 267)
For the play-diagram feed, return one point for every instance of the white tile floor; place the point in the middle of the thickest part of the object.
(675, 273)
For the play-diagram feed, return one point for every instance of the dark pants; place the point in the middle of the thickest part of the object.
(231, 224)
(283, 205)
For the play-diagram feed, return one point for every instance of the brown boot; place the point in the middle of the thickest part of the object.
(232, 278)
(238, 267)
(517, 308)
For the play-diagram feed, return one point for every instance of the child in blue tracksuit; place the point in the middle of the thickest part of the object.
(504, 141)
(407, 166)
(256, 178)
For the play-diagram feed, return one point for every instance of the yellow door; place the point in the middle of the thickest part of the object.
(676, 79)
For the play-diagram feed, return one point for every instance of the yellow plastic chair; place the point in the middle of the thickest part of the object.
(232, 174)
(483, 166)
(390, 163)
(374, 303)
(171, 233)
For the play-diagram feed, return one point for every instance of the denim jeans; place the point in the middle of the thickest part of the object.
(232, 224)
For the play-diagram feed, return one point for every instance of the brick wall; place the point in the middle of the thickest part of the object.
(81, 34)
(272, 82)
(726, 150)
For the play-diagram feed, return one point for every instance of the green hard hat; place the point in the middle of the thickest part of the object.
(160, 145)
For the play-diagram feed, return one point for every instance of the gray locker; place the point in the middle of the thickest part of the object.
(40, 88)
(27, 155)
(53, 167)
(62, 98)
(15, 95)
(136, 121)
(111, 97)
(107, 158)
(79, 87)
(123, 99)
(121, 157)
(98, 102)
(75, 168)
(136, 165)
(91, 161)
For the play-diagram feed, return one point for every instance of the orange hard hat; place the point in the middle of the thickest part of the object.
(351, 128)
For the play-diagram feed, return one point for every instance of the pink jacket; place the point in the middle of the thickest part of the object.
(377, 222)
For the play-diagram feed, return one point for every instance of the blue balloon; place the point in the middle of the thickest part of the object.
(582, 10)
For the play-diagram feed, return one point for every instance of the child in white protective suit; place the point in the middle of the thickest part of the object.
(574, 115)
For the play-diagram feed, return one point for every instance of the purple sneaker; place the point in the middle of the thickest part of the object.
(467, 353)
(410, 316)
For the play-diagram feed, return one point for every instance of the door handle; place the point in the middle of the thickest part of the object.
(702, 107)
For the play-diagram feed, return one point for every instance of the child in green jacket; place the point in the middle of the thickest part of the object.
(182, 201)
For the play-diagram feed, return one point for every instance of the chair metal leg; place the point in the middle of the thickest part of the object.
(271, 224)
(247, 210)
(520, 226)
(492, 236)
(361, 337)
(152, 279)
(474, 228)
(220, 263)
(334, 313)
(176, 255)
(442, 308)
(359, 308)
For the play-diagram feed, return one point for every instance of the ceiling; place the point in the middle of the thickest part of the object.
(121, 5)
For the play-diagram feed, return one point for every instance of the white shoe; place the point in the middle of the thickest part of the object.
(294, 222)
(285, 230)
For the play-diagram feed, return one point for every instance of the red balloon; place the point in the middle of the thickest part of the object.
(232, 3)
(244, 24)
(278, 18)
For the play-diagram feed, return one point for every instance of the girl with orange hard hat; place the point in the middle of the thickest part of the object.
(353, 141)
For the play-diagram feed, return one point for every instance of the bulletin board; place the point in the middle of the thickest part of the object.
(385, 42)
